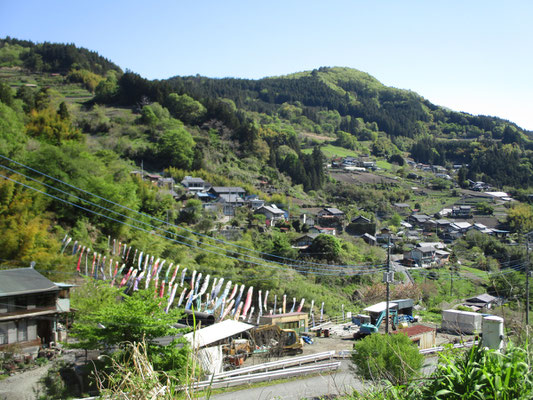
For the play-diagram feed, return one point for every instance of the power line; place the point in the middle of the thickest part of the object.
(362, 268)
(296, 268)
(146, 215)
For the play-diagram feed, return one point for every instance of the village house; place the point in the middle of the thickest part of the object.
(331, 217)
(442, 257)
(442, 224)
(307, 219)
(361, 225)
(402, 208)
(462, 212)
(322, 230)
(418, 219)
(254, 201)
(430, 225)
(482, 301)
(420, 256)
(272, 213)
(303, 242)
(154, 178)
(369, 239)
(461, 227)
(229, 202)
(30, 305)
(220, 190)
(193, 184)
(166, 183)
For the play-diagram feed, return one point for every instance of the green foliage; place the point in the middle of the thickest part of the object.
(25, 227)
(481, 374)
(391, 357)
(89, 79)
(185, 108)
(12, 137)
(326, 247)
(520, 218)
(176, 148)
(107, 89)
(48, 125)
(53, 57)
(10, 54)
(440, 184)
(54, 385)
(484, 208)
(191, 212)
(116, 319)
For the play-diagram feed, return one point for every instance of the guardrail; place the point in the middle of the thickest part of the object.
(274, 365)
(267, 376)
(455, 346)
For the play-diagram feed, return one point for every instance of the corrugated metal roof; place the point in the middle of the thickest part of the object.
(24, 281)
(214, 333)
(415, 330)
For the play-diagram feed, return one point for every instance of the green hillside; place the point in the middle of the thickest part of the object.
(78, 118)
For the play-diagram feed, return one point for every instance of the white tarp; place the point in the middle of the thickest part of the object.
(214, 333)
(379, 307)
(211, 359)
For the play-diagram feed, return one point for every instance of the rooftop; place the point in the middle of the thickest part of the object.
(380, 307)
(214, 333)
(24, 281)
(415, 330)
(334, 211)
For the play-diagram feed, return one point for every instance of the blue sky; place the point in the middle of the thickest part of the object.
(474, 56)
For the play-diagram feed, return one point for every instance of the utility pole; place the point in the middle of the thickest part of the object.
(451, 282)
(388, 288)
(527, 280)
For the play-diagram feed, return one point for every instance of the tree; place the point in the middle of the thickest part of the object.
(113, 320)
(397, 158)
(520, 218)
(396, 220)
(185, 108)
(121, 318)
(192, 211)
(392, 357)
(462, 177)
(280, 245)
(63, 111)
(50, 126)
(176, 148)
(12, 137)
(326, 247)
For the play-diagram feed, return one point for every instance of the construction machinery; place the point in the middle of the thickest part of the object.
(368, 328)
(276, 340)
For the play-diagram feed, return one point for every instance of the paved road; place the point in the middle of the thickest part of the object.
(340, 382)
(397, 267)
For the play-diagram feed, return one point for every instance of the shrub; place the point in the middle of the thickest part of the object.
(482, 374)
(391, 357)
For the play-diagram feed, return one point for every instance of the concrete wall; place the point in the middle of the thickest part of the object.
(11, 332)
(32, 330)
